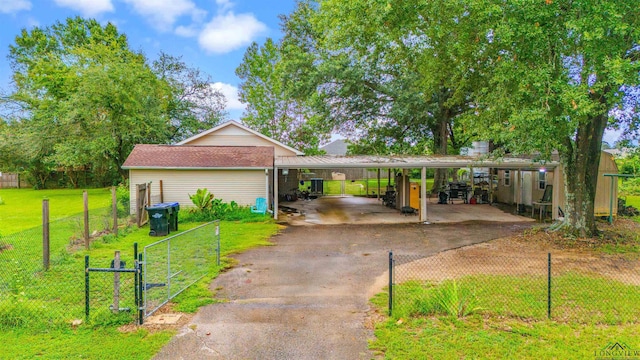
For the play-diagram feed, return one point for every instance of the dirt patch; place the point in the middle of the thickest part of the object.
(526, 254)
(5, 247)
(167, 309)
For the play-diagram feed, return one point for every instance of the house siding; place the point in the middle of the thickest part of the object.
(603, 188)
(235, 139)
(241, 186)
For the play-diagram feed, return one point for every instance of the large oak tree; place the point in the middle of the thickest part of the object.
(558, 70)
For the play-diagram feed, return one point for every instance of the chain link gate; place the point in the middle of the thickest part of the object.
(160, 272)
(171, 265)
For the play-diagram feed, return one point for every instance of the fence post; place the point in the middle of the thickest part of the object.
(45, 234)
(86, 287)
(390, 282)
(168, 268)
(161, 193)
(141, 306)
(218, 243)
(85, 201)
(135, 277)
(114, 210)
(116, 283)
(549, 286)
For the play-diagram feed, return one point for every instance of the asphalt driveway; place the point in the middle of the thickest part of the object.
(307, 296)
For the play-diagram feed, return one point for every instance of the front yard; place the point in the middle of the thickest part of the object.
(490, 300)
(37, 308)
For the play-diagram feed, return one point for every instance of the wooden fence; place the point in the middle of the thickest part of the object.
(12, 181)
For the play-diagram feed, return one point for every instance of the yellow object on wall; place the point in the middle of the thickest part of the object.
(414, 196)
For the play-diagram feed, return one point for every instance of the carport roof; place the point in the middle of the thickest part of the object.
(408, 162)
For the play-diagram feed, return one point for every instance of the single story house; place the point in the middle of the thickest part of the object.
(238, 164)
(232, 161)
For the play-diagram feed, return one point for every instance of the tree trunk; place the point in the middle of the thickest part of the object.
(581, 162)
(440, 139)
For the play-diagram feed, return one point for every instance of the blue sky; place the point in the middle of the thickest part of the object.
(211, 35)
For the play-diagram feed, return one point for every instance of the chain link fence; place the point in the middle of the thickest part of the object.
(35, 297)
(582, 290)
(111, 290)
(173, 264)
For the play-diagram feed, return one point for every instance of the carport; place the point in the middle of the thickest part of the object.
(283, 164)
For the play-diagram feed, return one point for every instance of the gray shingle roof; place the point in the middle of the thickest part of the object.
(337, 147)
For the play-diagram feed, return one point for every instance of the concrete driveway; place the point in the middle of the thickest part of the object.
(307, 296)
(332, 210)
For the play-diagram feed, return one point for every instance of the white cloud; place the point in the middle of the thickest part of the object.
(231, 93)
(13, 6)
(32, 22)
(87, 7)
(162, 14)
(186, 31)
(228, 32)
(224, 5)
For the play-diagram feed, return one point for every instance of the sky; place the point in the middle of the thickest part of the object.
(211, 35)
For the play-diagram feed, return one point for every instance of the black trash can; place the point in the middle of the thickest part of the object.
(158, 219)
(173, 215)
(173, 208)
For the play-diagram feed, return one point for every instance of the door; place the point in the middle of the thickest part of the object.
(526, 187)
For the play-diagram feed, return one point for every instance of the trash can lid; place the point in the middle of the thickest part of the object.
(156, 207)
(166, 204)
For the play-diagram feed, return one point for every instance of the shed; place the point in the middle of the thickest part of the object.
(524, 187)
(603, 188)
(231, 173)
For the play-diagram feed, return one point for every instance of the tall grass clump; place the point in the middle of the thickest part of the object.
(448, 299)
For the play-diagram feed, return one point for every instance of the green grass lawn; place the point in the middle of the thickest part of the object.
(34, 327)
(359, 187)
(633, 200)
(510, 319)
(22, 208)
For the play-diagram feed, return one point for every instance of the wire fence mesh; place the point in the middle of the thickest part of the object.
(173, 264)
(111, 297)
(533, 287)
(33, 296)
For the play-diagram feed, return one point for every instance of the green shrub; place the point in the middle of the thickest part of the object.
(455, 301)
(447, 299)
(221, 211)
(1, 201)
(202, 199)
(123, 198)
(630, 186)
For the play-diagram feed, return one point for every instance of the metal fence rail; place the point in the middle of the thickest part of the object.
(173, 264)
(533, 287)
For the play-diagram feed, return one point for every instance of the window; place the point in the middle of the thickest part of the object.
(542, 180)
(507, 178)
